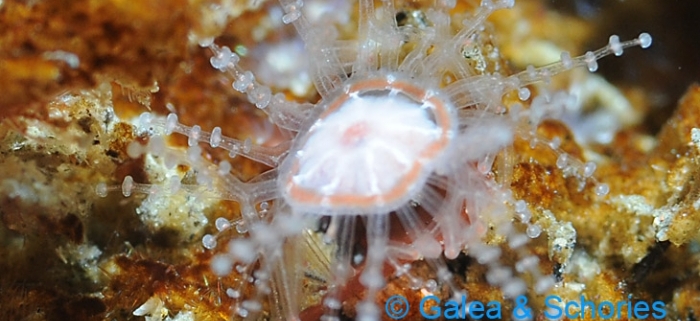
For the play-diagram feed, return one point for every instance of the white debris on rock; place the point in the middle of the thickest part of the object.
(583, 266)
(86, 256)
(182, 212)
(636, 204)
(695, 137)
(663, 217)
(561, 237)
(153, 309)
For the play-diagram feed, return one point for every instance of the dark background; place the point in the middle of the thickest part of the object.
(668, 67)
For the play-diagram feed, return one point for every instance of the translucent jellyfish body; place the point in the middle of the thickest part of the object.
(395, 156)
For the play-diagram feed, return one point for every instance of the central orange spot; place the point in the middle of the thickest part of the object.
(354, 134)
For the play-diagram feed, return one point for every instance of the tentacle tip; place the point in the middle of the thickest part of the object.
(644, 40)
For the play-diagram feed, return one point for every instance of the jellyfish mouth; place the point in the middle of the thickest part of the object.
(370, 150)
